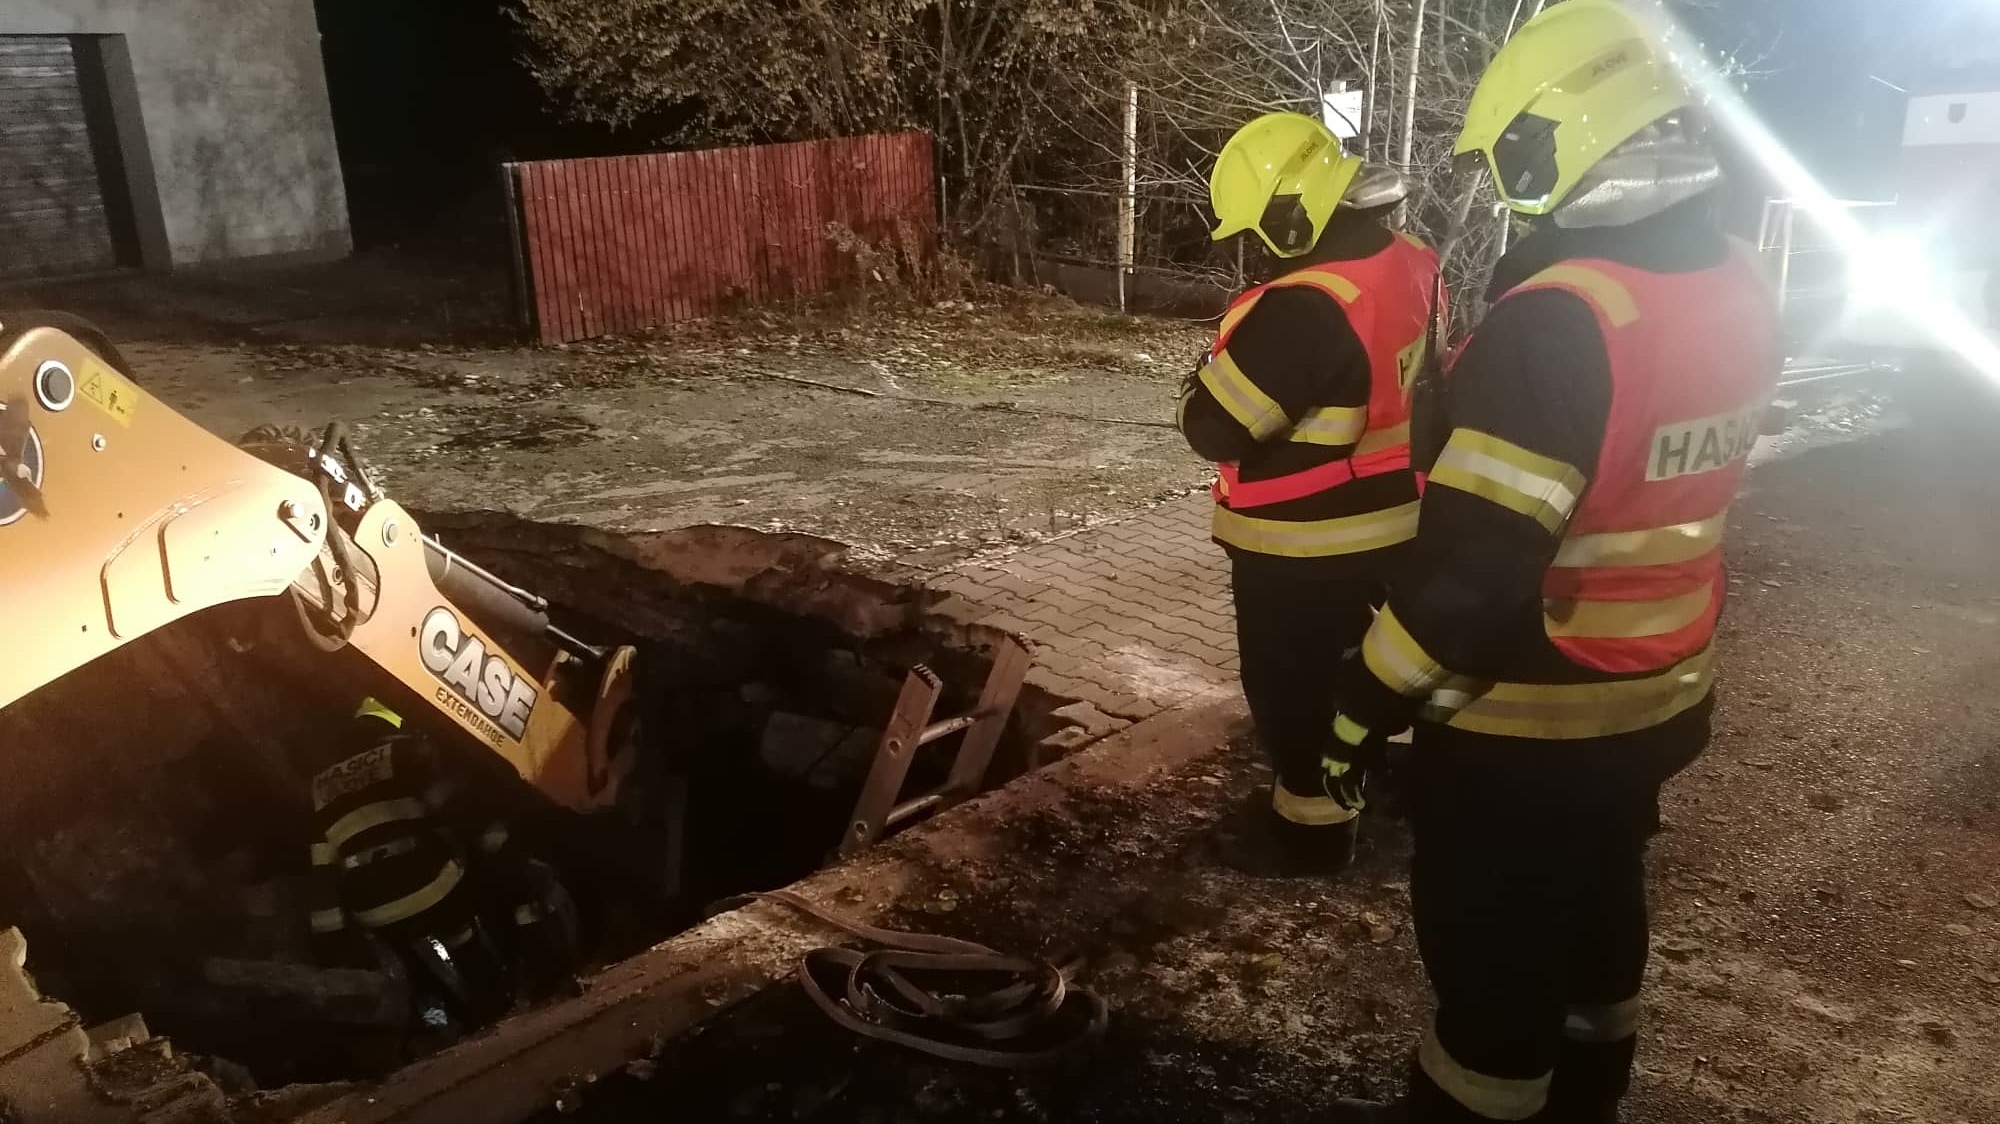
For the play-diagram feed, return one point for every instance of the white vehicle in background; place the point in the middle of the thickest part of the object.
(1915, 294)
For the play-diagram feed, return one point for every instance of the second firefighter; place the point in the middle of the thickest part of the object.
(1303, 403)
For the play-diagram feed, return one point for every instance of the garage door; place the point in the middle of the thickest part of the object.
(52, 216)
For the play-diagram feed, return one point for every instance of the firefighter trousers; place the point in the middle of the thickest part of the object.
(1528, 888)
(1290, 634)
(470, 976)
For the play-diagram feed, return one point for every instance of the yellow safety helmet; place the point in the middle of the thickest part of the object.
(372, 708)
(1282, 175)
(1573, 83)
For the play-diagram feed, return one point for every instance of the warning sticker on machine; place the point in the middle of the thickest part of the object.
(109, 393)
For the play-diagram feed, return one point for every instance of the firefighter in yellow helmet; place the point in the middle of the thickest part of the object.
(1303, 403)
(407, 855)
(1551, 635)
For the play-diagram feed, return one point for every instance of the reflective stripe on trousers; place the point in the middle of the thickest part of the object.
(1495, 1098)
(1307, 811)
(1320, 538)
(1609, 1022)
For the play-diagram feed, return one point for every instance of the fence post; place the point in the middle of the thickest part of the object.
(1128, 203)
(518, 289)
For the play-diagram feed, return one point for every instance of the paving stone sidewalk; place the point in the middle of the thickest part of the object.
(1131, 618)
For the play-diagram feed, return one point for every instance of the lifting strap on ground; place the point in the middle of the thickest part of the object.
(953, 999)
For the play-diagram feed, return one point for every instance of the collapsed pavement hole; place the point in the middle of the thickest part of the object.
(165, 830)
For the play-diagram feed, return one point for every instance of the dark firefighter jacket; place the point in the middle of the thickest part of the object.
(383, 854)
(1298, 347)
(1536, 376)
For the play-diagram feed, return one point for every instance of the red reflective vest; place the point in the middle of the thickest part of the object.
(1637, 581)
(1387, 299)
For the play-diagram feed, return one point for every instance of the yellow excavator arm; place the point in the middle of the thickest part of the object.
(118, 517)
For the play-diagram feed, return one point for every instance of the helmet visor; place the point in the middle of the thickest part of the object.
(1471, 176)
(1286, 225)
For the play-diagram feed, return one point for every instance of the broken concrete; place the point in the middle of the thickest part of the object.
(289, 990)
(54, 1071)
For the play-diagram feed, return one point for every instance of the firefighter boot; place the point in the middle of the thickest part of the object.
(1315, 834)
(1590, 1079)
(1264, 841)
(1324, 849)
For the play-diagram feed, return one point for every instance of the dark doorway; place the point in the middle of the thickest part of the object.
(427, 99)
(63, 202)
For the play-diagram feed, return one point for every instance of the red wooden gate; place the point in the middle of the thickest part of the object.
(625, 243)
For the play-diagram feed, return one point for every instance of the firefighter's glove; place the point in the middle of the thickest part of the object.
(1344, 768)
(1345, 781)
(1370, 712)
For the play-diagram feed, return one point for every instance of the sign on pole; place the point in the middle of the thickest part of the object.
(1341, 109)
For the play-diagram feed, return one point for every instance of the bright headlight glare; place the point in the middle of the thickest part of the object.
(1948, 327)
(1888, 268)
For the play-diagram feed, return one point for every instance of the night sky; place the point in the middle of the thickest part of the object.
(1820, 61)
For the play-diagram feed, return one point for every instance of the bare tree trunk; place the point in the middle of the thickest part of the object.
(1407, 155)
(1374, 81)
(1408, 151)
(941, 93)
(1128, 198)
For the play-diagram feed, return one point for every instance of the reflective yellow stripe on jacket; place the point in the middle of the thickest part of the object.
(1541, 488)
(1625, 619)
(1253, 409)
(1605, 293)
(1567, 711)
(375, 815)
(1660, 546)
(1332, 284)
(1320, 538)
(1331, 425)
(1394, 657)
(411, 904)
(1261, 416)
